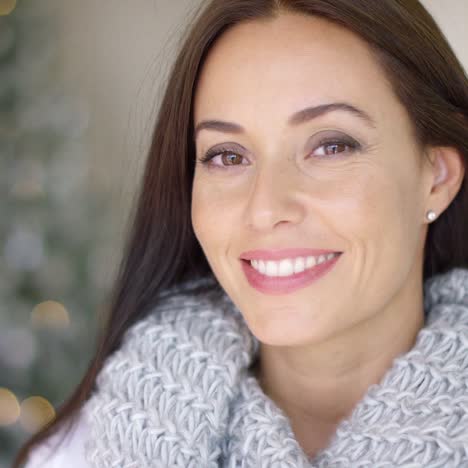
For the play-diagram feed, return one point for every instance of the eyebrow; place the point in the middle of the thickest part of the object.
(300, 117)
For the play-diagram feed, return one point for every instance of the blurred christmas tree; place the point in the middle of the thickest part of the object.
(53, 249)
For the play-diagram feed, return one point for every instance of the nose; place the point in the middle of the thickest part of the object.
(273, 199)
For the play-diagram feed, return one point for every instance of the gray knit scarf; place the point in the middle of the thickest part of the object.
(179, 393)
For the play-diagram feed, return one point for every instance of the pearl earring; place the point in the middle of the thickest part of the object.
(430, 215)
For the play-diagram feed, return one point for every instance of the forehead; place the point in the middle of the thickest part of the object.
(275, 67)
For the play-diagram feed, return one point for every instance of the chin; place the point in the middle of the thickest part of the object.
(283, 328)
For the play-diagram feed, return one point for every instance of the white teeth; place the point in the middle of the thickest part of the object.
(271, 268)
(299, 265)
(288, 266)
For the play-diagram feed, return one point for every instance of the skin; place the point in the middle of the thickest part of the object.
(321, 346)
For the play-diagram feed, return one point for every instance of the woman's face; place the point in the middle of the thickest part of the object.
(279, 186)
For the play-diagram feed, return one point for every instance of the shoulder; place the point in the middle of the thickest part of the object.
(62, 449)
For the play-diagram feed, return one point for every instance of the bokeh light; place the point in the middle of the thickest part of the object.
(7, 6)
(50, 314)
(35, 412)
(9, 407)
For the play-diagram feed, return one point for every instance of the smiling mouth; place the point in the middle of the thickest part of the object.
(289, 266)
(276, 285)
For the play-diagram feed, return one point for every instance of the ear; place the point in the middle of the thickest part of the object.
(446, 173)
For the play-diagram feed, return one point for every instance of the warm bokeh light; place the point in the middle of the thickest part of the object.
(50, 314)
(35, 412)
(9, 407)
(7, 6)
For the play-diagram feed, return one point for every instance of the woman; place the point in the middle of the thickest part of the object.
(294, 291)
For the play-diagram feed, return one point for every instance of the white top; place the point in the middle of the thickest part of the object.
(69, 452)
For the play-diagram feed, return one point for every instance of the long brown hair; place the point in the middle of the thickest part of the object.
(161, 249)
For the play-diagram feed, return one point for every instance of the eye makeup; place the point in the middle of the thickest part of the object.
(335, 140)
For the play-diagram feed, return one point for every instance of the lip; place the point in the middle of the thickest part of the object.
(276, 285)
(280, 254)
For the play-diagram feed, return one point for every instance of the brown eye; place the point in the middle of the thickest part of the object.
(227, 158)
(335, 147)
(230, 158)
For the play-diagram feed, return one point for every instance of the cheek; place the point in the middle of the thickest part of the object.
(359, 204)
(377, 210)
(368, 213)
(209, 214)
(199, 211)
(372, 199)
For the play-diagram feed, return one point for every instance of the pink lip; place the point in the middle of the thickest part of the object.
(286, 284)
(282, 253)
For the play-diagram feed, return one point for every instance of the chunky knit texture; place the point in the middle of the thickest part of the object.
(179, 393)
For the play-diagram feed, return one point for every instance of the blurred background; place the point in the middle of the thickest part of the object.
(80, 85)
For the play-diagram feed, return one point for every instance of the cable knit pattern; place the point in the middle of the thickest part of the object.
(179, 393)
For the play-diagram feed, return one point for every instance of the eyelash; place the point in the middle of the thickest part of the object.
(209, 155)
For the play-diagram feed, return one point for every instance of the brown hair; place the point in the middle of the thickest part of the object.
(162, 251)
